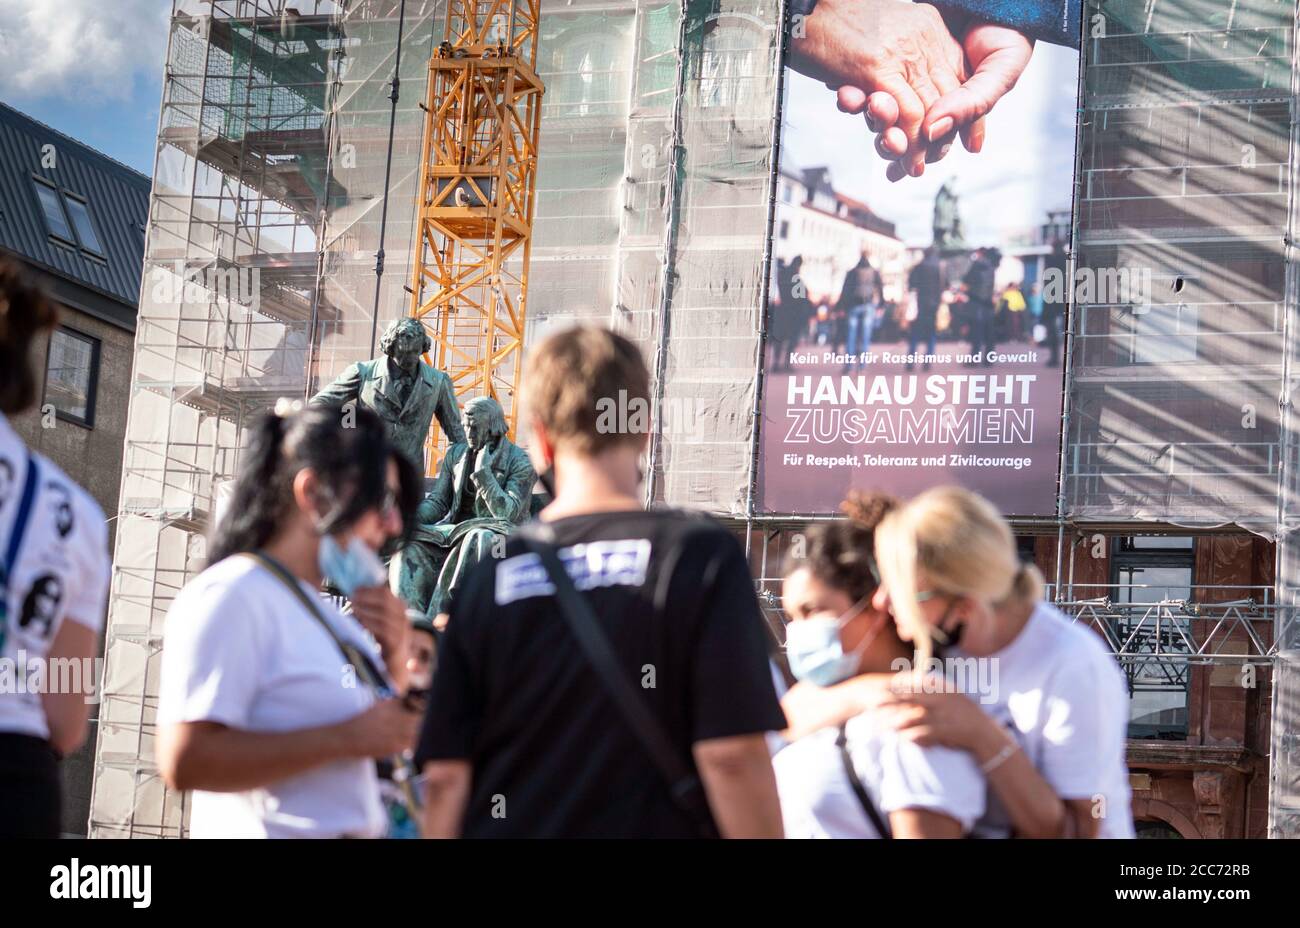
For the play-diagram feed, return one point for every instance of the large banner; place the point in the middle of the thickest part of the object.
(919, 246)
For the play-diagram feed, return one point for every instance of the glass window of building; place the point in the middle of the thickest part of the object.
(56, 220)
(79, 210)
(1151, 578)
(588, 76)
(71, 371)
(727, 66)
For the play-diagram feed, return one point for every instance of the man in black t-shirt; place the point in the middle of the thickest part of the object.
(522, 738)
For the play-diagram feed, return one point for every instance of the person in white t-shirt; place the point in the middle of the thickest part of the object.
(53, 585)
(263, 710)
(861, 779)
(1050, 734)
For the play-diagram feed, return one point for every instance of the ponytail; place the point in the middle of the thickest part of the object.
(258, 501)
(1027, 585)
(840, 553)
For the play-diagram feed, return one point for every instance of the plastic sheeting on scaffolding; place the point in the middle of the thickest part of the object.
(276, 187)
(1183, 186)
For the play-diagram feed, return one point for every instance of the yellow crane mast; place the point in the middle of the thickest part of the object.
(476, 198)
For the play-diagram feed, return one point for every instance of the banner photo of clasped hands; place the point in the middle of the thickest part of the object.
(917, 293)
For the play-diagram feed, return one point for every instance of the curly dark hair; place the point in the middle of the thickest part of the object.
(840, 554)
(25, 313)
(350, 462)
(404, 326)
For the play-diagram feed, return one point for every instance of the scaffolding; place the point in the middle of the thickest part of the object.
(1185, 130)
(282, 235)
(268, 144)
(282, 223)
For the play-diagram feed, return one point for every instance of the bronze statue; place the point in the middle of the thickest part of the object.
(404, 391)
(483, 490)
(947, 219)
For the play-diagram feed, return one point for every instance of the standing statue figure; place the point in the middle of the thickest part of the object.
(404, 391)
(947, 218)
(483, 490)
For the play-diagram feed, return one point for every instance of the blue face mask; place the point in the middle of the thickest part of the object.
(815, 652)
(350, 568)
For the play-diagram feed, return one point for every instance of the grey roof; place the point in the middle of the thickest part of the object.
(118, 201)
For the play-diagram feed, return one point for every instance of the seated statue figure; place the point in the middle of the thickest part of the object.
(483, 490)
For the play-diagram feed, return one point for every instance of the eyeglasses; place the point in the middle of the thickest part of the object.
(924, 596)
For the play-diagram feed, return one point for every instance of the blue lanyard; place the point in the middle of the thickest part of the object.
(16, 542)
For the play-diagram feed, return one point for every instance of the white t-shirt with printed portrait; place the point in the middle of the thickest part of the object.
(1060, 694)
(240, 649)
(61, 574)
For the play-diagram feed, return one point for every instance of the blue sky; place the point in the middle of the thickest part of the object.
(90, 68)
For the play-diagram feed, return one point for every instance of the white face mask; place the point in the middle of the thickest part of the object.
(815, 651)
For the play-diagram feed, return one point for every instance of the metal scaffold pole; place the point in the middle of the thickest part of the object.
(1284, 784)
(755, 447)
(672, 210)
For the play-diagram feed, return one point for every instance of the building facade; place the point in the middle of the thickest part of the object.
(288, 156)
(76, 220)
(808, 207)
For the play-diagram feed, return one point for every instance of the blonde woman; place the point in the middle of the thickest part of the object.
(1049, 736)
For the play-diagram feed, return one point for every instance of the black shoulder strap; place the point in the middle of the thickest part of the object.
(31, 487)
(877, 820)
(404, 772)
(683, 783)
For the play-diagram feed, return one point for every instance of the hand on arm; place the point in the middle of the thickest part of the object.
(448, 412)
(952, 720)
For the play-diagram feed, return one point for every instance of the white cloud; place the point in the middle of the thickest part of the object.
(80, 49)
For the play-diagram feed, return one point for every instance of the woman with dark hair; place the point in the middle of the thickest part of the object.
(53, 583)
(274, 705)
(860, 779)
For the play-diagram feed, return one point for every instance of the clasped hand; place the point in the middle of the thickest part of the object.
(918, 78)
